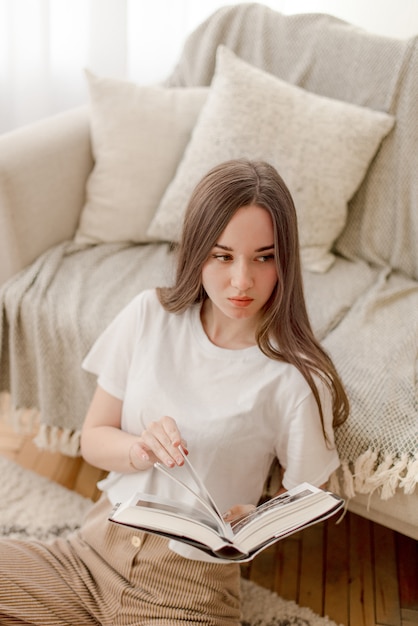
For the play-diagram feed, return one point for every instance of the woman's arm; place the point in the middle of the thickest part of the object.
(105, 445)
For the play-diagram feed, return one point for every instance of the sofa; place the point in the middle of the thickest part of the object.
(91, 202)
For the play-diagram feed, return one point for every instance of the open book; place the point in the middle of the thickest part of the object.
(203, 526)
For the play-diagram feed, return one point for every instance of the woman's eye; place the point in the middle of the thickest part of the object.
(265, 258)
(222, 257)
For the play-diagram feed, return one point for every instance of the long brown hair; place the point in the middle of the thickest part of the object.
(284, 332)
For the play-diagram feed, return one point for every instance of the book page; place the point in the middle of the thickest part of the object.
(173, 508)
(201, 493)
(201, 485)
(282, 501)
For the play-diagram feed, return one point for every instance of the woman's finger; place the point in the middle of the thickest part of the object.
(163, 438)
(237, 512)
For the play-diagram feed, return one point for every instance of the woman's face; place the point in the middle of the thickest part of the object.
(240, 273)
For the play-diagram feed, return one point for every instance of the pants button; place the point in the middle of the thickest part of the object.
(136, 541)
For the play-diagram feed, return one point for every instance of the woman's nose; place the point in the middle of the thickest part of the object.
(241, 278)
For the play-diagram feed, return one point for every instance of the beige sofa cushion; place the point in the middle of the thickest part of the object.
(322, 147)
(138, 134)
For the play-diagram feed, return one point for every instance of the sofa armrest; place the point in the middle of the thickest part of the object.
(43, 172)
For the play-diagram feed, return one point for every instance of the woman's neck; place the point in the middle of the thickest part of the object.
(225, 332)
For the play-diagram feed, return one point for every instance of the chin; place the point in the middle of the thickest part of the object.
(241, 314)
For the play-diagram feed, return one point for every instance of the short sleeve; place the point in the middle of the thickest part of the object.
(111, 355)
(303, 451)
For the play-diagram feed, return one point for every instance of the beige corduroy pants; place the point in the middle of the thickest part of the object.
(111, 575)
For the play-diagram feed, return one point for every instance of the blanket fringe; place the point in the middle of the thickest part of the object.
(363, 469)
(409, 481)
(348, 480)
(57, 440)
(368, 475)
(27, 421)
(23, 420)
(334, 483)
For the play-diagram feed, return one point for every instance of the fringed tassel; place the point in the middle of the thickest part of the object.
(23, 420)
(393, 477)
(70, 442)
(377, 479)
(42, 438)
(54, 436)
(367, 477)
(385, 477)
(363, 470)
(334, 483)
(56, 440)
(410, 480)
(348, 480)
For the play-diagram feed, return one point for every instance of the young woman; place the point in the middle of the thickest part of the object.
(225, 363)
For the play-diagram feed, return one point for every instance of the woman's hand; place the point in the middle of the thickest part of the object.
(237, 512)
(105, 445)
(160, 441)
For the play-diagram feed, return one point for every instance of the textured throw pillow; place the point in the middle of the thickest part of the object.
(139, 135)
(321, 147)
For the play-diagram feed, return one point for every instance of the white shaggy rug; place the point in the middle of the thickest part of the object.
(34, 507)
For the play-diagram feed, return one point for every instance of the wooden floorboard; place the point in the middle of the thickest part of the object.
(387, 592)
(311, 587)
(336, 564)
(356, 572)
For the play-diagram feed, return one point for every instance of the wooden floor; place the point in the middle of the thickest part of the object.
(357, 572)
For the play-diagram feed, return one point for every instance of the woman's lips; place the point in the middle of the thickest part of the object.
(241, 302)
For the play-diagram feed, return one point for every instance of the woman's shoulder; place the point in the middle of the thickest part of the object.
(148, 296)
(147, 308)
(142, 307)
(146, 300)
(292, 384)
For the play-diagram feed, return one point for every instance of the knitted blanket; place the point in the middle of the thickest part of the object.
(51, 314)
(375, 350)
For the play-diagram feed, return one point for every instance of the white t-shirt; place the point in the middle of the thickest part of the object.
(236, 409)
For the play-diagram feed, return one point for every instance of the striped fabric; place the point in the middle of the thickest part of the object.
(111, 575)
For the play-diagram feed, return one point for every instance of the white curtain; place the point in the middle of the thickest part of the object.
(45, 44)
